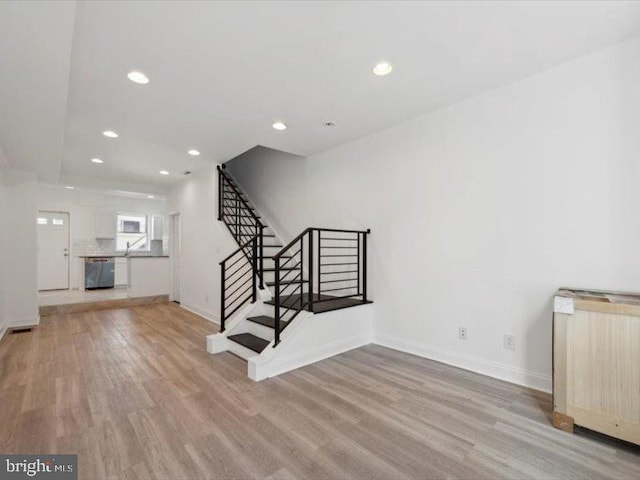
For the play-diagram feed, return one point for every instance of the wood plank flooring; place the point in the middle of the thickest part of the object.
(135, 394)
(110, 304)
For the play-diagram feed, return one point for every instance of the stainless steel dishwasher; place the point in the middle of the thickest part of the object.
(99, 272)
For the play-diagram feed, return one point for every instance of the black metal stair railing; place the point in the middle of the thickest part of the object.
(240, 219)
(334, 263)
(238, 279)
(320, 265)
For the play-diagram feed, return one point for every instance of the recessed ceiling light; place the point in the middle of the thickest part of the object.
(195, 153)
(163, 172)
(110, 134)
(279, 126)
(150, 196)
(383, 68)
(69, 187)
(97, 160)
(138, 77)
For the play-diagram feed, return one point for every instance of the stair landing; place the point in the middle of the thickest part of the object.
(321, 303)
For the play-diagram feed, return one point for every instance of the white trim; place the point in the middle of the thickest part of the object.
(260, 369)
(28, 322)
(501, 371)
(173, 246)
(3, 330)
(201, 313)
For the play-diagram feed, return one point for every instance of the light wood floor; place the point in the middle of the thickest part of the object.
(135, 394)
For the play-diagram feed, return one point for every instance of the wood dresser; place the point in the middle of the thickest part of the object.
(596, 362)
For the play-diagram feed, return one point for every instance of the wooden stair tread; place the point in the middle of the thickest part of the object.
(250, 341)
(322, 303)
(263, 320)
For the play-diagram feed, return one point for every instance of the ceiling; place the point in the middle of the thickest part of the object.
(222, 72)
(35, 54)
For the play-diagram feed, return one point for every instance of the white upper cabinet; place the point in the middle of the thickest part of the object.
(106, 225)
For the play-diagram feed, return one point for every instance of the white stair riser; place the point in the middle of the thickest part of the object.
(260, 330)
(240, 350)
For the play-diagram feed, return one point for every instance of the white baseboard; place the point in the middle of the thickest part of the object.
(501, 371)
(3, 330)
(201, 313)
(261, 369)
(25, 322)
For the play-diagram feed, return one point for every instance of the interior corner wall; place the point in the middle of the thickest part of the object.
(19, 249)
(204, 241)
(481, 210)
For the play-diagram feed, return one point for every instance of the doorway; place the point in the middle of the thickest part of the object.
(53, 250)
(176, 248)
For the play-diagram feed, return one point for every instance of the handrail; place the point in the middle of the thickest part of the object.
(308, 229)
(338, 230)
(290, 244)
(239, 249)
(244, 202)
(242, 229)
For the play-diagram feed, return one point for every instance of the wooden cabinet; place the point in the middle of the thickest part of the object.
(106, 225)
(596, 362)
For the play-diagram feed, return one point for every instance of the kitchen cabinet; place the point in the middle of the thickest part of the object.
(148, 276)
(120, 278)
(157, 224)
(106, 225)
(596, 362)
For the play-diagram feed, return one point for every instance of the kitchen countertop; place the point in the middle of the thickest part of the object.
(122, 256)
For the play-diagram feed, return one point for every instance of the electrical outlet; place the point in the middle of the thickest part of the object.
(462, 333)
(509, 342)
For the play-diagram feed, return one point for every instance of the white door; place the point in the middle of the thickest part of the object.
(53, 251)
(176, 256)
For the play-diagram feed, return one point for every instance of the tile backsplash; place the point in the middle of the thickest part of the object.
(93, 246)
(156, 247)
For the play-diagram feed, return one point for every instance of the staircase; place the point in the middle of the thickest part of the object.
(266, 285)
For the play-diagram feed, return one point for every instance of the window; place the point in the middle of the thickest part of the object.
(43, 221)
(133, 230)
(57, 221)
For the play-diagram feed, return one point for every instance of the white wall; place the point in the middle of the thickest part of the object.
(3, 250)
(481, 210)
(82, 206)
(205, 241)
(19, 266)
